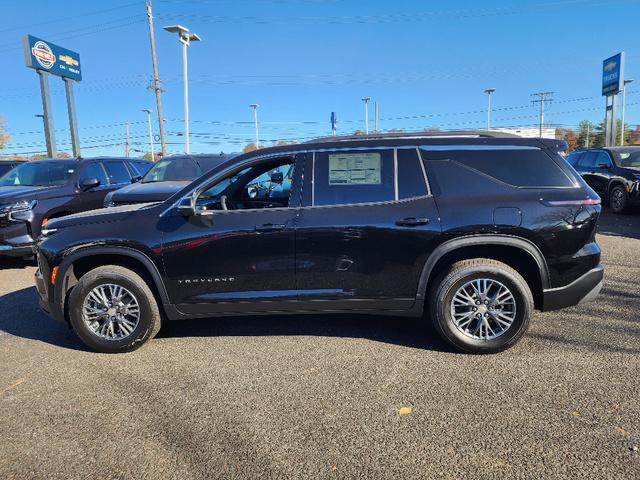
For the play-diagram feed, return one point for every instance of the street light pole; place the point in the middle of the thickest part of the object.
(624, 101)
(148, 112)
(489, 91)
(366, 114)
(255, 122)
(185, 39)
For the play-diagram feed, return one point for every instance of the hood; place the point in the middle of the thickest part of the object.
(112, 214)
(22, 192)
(147, 192)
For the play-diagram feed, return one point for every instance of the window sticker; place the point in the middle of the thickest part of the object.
(355, 169)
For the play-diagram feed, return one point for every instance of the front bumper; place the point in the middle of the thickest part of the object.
(15, 238)
(583, 289)
(45, 293)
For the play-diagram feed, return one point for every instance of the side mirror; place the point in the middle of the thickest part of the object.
(186, 207)
(89, 183)
(277, 177)
(606, 166)
(136, 179)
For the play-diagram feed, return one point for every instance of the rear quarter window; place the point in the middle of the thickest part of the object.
(519, 168)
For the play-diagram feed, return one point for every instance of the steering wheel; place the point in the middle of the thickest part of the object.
(226, 203)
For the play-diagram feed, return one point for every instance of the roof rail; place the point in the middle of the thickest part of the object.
(412, 135)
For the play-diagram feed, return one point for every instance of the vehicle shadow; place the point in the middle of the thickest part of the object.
(619, 225)
(20, 316)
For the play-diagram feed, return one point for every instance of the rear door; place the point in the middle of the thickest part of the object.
(367, 226)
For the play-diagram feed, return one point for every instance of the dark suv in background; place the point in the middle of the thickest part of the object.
(473, 230)
(168, 176)
(35, 192)
(613, 172)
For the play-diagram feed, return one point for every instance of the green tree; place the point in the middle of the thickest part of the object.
(4, 136)
(586, 129)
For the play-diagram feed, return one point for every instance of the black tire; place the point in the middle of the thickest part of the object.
(452, 279)
(149, 318)
(618, 199)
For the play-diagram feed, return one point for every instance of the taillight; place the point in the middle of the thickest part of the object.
(571, 203)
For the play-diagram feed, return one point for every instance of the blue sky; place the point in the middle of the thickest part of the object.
(425, 62)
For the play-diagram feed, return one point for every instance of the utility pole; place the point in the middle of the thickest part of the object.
(366, 114)
(255, 122)
(126, 144)
(156, 80)
(588, 129)
(375, 116)
(624, 101)
(148, 112)
(489, 91)
(541, 98)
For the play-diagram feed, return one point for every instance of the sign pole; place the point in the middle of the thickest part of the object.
(49, 134)
(71, 109)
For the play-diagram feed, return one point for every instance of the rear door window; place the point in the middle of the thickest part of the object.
(603, 160)
(529, 168)
(573, 158)
(117, 172)
(348, 177)
(588, 160)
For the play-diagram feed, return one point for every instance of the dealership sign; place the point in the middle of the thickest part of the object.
(51, 58)
(612, 74)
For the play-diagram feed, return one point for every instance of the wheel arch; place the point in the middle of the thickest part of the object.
(78, 263)
(519, 253)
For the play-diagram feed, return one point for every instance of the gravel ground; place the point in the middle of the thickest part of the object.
(320, 397)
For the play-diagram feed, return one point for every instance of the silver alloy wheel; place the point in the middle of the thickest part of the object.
(483, 309)
(111, 311)
(617, 198)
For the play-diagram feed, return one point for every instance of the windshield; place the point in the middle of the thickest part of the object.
(173, 170)
(629, 159)
(41, 174)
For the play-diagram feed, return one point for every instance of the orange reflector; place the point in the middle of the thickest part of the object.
(44, 221)
(54, 274)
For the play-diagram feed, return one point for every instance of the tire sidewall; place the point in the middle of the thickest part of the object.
(623, 200)
(132, 341)
(447, 327)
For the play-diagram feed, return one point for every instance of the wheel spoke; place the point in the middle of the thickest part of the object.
(111, 311)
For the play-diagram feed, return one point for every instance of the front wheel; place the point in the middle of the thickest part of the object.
(618, 199)
(481, 305)
(112, 310)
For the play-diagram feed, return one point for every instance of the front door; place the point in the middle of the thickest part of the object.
(236, 254)
(93, 198)
(365, 231)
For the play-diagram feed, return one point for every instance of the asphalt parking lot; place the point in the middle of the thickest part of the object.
(320, 397)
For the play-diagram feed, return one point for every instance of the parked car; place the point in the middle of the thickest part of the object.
(168, 176)
(35, 192)
(613, 172)
(6, 165)
(472, 230)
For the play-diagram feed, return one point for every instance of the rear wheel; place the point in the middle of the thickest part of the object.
(112, 310)
(481, 305)
(618, 199)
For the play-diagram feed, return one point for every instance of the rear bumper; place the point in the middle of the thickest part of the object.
(583, 289)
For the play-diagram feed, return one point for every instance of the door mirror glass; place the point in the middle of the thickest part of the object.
(136, 179)
(89, 183)
(277, 177)
(604, 165)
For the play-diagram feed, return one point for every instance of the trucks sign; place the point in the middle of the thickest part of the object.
(51, 58)
(612, 74)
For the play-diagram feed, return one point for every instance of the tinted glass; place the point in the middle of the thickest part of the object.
(588, 160)
(95, 170)
(574, 157)
(520, 168)
(55, 172)
(602, 158)
(207, 163)
(142, 167)
(629, 159)
(173, 170)
(353, 177)
(410, 177)
(266, 187)
(5, 167)
(117, 172)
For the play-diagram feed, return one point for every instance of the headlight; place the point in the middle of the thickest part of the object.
(21, 206)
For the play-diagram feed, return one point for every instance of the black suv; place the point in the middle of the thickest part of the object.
(613, 172)
(473, 230)
(168, 176)
(35, 192)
